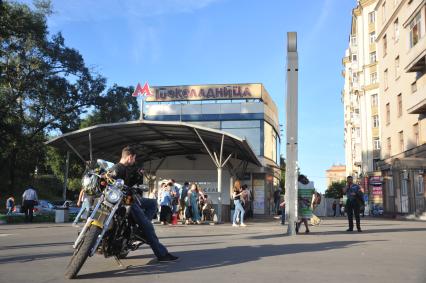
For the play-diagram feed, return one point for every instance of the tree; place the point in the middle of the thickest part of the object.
(44, 86)
(335, 190)
(117, 105)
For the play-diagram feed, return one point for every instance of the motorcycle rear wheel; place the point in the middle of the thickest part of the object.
(82, 252)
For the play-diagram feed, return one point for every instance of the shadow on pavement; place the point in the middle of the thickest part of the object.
(367, 231)
(36, 245)
(28, 258)
(212, 258)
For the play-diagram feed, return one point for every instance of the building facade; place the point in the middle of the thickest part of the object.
(243, 110)
(336, 173)
(401, 45)
(360, 94)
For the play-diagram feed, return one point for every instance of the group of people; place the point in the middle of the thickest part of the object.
(29, 200)
(306, 203)
(188, 203)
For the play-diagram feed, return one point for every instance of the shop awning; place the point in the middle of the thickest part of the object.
(152, 140)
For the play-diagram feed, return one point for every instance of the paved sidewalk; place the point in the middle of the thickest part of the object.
(387, 251)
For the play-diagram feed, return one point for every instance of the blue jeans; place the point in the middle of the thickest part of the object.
(85, 208)
(149, 206)
(238, 209)
(143, 218)
(276, 207)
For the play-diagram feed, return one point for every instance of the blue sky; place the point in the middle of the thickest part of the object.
(172, 42)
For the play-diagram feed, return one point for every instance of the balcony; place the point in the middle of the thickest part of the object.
(416, 103)
(416, 57)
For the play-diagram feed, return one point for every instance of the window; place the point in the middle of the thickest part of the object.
(390, 186)
(389, 146)
(353, 40)
(404, 184)
(354, 58)
(385, 78)
(414, 87)
(372, 57)
(387, 113)
(399, 100)
(420, 184)
(415, 30)
(385, 45)
(397, 67)
(401, 141)
(355, 77)
(396, 30)
(372, 37)
(374, 100)
(373, 78)
(375, 121)
(371, 17)
(376, 143)
(416, 134)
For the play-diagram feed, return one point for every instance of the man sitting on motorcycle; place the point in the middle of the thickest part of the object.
(143, 213)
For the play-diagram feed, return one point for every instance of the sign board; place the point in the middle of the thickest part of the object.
(206, 92)
(259, 200)
(141, 91)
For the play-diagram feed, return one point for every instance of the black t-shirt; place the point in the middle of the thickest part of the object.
(129, 174)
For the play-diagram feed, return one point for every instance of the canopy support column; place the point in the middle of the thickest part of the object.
(75, 151)
(64, 191)
(219, 166)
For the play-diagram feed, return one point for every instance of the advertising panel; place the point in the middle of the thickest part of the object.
(259, 200)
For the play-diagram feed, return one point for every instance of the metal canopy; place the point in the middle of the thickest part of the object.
(152, 140)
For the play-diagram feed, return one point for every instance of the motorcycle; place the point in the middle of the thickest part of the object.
(109, 230)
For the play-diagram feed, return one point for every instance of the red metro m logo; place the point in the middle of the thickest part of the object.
(141, 91)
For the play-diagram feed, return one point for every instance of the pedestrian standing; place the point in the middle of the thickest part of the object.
(236, 196)
(29, 200)
(193, 196)
(305, 191)
(277, 196)
(10, 205)
(183, 192)
(282, 206)
(85, 200)
(334, 207)
(166, 206)
(354, 194)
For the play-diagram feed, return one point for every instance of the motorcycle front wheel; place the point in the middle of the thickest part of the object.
(82, 252)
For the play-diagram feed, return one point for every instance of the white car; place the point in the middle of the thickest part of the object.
(44, 207)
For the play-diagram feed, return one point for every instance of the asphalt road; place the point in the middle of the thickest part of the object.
(387, 251)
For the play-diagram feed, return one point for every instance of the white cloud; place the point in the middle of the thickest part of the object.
(95, 10)
(320, 22)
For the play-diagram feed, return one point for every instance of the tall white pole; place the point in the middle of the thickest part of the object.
(141, 117)
(291, 130)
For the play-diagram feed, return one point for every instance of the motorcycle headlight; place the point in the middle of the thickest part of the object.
(113, 195)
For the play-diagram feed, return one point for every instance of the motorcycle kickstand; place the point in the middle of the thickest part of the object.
(120, 263)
